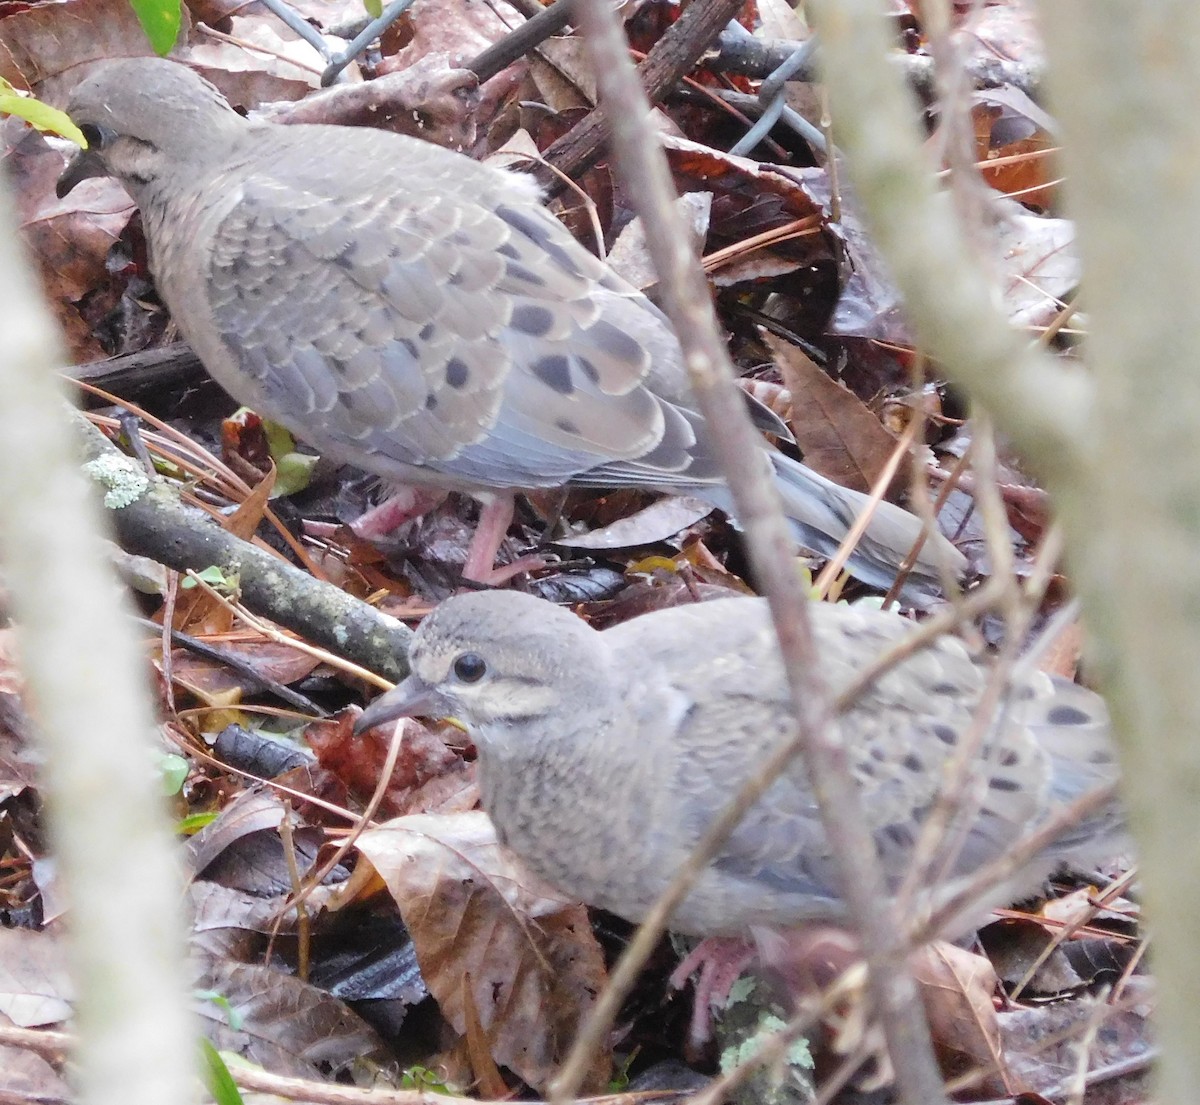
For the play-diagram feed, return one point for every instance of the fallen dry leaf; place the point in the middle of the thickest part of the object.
(839, 436)
(478, 919)
(957, 988)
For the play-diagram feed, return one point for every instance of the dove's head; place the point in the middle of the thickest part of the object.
(143, 117)
(496, 659)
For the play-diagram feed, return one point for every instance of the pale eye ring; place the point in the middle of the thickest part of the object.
(470, 667)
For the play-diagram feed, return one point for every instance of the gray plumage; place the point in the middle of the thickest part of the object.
(603, 757)
(419, 314)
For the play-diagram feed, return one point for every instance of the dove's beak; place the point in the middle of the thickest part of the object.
(412, 698)
(86, 163)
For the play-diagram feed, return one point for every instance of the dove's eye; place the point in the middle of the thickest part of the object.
(470, 667)
(97, 137)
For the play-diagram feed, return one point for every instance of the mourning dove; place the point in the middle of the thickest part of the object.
(421, 315)
(603, 757)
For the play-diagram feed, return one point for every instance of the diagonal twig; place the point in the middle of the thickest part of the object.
(687, 301)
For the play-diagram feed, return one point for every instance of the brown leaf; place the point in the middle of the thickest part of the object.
(208, 678)
(243, 848)
(438, 30)
(957, 988)
(533, 965)
(1011, 145)
(835, 430)
(1041, 1044)
(35, 983)
(562, 75)
(753, 197)
(68, 239)
(45, 48)
(288, 1026)
(428, 768)
(26, 1076)
(1018, 951)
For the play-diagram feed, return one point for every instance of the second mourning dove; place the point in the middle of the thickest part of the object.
(603, 757)
(406, 309)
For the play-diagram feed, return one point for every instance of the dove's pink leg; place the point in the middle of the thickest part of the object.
(402, 505)
(720, 961)
(802, 961)
(495, 517)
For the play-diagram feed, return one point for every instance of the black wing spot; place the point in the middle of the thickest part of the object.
(1067, 715)
(520, 272)
(457, 373)
(913, 763)
(555, 373)
(431, 402)
(538, 231)
(615, 342)
(947, 734)
(1000, 783)
(567, 426)
(589, 370)
(427, 332)
(410, 347)
(522, 223)
(533, 320)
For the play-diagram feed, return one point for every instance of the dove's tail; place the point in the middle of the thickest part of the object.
(822, 513)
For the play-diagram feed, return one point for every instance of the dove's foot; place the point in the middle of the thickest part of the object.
(402, 505)
(718, 962)
(495, 516)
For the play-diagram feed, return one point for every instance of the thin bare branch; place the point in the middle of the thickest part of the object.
(685, 295)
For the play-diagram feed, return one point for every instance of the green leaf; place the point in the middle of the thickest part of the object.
(279, 439)
(194, 822)
(234, 1019)
(161, 20)
(619, 1082)
(38, 114)
(374, 8)
(217, 1077)
(174, 771)
(424, 1079)
(217, 578)
(293, 472)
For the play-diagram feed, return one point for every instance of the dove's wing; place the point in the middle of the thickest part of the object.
(900, 738)
(425, 320)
